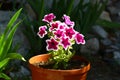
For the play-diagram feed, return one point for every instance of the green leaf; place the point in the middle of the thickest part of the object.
(41, 11)
(5, 41)
(108, 24)
(70, 6)
(2, 75)
(60, 8)
(54, 6)
(4, 62)
(8, 42)
(12, 20)
(2, 39)
(32, 3)
(15, 56)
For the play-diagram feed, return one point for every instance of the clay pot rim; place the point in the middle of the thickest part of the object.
(84, 69)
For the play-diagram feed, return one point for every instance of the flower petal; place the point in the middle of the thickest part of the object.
(68, 21)
(49, 17)
(54, 25)
(79, 38)
(62, 26)
(59, 33)
(42, 31)
(65, 42)
(69, 32)
(52, 44)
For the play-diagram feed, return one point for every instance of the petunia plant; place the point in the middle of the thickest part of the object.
(62, 36)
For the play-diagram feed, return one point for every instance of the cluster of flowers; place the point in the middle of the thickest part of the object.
(61, 33)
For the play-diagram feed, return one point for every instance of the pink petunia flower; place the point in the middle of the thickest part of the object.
(42, 31)
(79, 38)
(62, 26)
(49, 17)
(59, 34)
(68, 21)
(69, 32)
(54, 25)
(65, 42)
(52, 44)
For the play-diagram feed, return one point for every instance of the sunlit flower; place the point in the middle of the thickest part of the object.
(79, 38)
(42, 31)
(49, 17)
(62, 26)
(68, 21)
(69, 32)
(65, 42)
(54, 25)
(52, 44)
(59, 34)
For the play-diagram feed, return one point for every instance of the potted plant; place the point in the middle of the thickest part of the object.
(60, 63)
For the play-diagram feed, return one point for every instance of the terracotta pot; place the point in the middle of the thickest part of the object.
(51, 74)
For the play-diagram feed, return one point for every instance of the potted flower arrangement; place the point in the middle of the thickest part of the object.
(60, 63)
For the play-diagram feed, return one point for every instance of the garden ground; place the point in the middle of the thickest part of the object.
(101, 70)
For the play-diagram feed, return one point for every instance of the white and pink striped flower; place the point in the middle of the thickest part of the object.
(54, 25)
(49, 17)
(52, 44)
(58, 34)
(65, 42)
(69, 32)
(79, 38)
(68, 21)
(42, 31)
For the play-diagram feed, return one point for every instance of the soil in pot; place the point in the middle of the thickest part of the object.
(72, 64)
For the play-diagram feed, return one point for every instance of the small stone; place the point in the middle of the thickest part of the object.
(106, 41)
(116, 54)
(105, 16)
(114, 47)
(100, 31)
(119, 14)
(5, 16)
(19, 74)
(113, 10)
(91, 46)
(82, 65)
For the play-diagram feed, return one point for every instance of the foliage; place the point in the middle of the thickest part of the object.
(86, 14)
(6, 40)
(108, 24)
